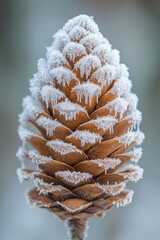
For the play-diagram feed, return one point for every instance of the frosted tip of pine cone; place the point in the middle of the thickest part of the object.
(87, 126)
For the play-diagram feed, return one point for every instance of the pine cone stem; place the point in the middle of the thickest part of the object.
(77, 229)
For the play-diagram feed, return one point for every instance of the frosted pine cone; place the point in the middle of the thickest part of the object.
(87, 121)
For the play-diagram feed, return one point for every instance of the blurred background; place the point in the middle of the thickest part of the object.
(26, 28)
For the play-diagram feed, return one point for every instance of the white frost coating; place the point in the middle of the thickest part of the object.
(73, 177)
(73, 50)
(30, 110)
(91, 41)
(82, 21)
(106, 163)
(45, 188)
(77, 33)
(131, 137)
(122, 71)
(23, 175)
(76, 209)
(63, 75)
(135, 155)
(106, 122)
(21, 153)
(62, 147)
(51, 95)
(102, 51)
(135, 119)
(88, 91)
(114, 57)
(38, 158)
(41, 77)
(121, 87)
(25, 134)
(55, 58)
(132, 172)
(69, 110)
(48, 124)
(124, 200)
(105, 74)
(118, 105)
(113, 189)
(61, 39)
(87, 64)
(133, 101)
(86, 137)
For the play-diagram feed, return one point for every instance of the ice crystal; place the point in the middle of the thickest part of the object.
(131, 137)
(135, 155)
(62, 147)
(86, 137)
(37, 158)
(48, 124)
(113, 189)
(55, 58)
(118, 105)
(132, 172)
(105, 123)
(102, 51)
(122, 71)
(51, 95)
(121, 86)
(77, 33)
(75, 209)
(114, 57)
(63, 75)
(61, 39)
(124, 200)
(82, 21)
(105, 74)
(73, 177)
(87, 64)
(45, 188)
(73, 50)
(69, 110)
(135, 119)
(88, 91)
(106, 163)
(91, 41)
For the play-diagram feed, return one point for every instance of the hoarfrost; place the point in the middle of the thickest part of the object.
(124, 200)
(77, 33)
(62, 147)
(106, 163)
(91, 41)
(87, 64)
(69, 110)
(113, 189)
(121, 87)
(77, 209)
(130, 137)
(118, 105)
(114, 57)
(73, 177)
(102, 51)
(73, 50)
(45, 188)
(61, 39)
(135, 154)
(38, 159)
(51, 95)
(122, 71)
(82, 21)
(106, 122)
(88, 90)
(48, 124)
(55, 58)
(132, 172)
(86, 137)
(63, 75)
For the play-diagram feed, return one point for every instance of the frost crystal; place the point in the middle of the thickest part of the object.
(62, 147)
(125, 200)
(77, 33)
(61, 39)
(132, 172)
(135, 119)
(55, 58)
(87, 91)
(38, 159)
(131, 137)
(106, 163)
(114, 57)
(46, 188)
(121, 86)
(113, 189)
(86, 137)
(91, 41)
(133, 101)
(73, 177)
(75, 209)
(118, 105)
(25, 134)
(69, 110)
(135, 154)
(122, 71)
(102, 51)
(48, 124)
(63, 75)
(105, 123)
(73, 50)
(51, 95)
(87, 64)
(23, 175)
(82, 21)
(105, 74)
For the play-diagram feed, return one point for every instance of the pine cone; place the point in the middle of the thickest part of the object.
(87, 121)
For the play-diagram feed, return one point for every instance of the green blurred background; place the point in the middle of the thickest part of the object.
(26, 28)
